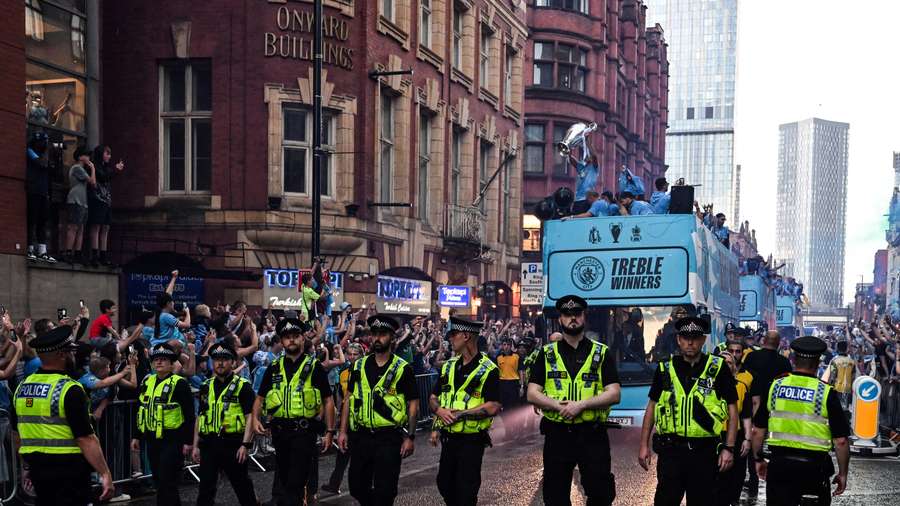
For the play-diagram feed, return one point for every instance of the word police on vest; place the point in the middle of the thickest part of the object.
(34, 390)
(795, 394)
(636, 273)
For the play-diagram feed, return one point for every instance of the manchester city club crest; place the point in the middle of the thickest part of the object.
(587, 273)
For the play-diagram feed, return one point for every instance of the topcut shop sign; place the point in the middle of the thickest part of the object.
(403, 296)
(294, 38)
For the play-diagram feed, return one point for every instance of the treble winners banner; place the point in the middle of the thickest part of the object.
(626, 260)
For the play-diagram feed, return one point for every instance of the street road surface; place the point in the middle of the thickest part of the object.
(511, 475)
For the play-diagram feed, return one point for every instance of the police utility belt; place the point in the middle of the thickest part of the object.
(549, 426)
(297, 425)
(669, 443)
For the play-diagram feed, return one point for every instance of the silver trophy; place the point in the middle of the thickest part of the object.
(576, 135)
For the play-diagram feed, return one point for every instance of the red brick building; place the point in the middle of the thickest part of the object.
(210, 105)
(593, 61)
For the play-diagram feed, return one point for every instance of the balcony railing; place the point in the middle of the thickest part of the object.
(465, 224)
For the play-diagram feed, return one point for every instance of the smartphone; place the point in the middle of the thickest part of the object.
(81, 304)
(61, 313)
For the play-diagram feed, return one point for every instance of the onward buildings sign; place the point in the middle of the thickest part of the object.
(293, 39)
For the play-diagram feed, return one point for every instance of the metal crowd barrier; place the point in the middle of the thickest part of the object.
(425, 384)
(9, 461)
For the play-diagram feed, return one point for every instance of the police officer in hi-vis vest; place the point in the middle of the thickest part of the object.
(52, 418)
(804, 421)
(379, 417)
(465, 400)
(693, 400)
(293, 392)
(165, 422)
(574, 383)
(224, 434)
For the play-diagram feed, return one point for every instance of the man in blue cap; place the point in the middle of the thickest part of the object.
(804, 421)
(574, 383)
(52, 418)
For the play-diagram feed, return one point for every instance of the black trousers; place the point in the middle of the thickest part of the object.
(459, 473)
(340, 466)
(62, 483)
(375, 467)
(217, 454)
(752, 479)
(681, 472)
(787, 481)
(166, 463)
(37, 209)
(294, 455)
(729, 483)
(584, 446)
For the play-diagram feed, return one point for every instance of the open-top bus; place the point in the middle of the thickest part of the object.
(635, 272)
(757, 302)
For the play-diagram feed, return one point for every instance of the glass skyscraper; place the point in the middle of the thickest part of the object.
(702, 39)
(812, 207)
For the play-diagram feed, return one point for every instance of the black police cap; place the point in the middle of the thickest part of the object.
(382, 323)
(163, 350)
(691, 326)
(730, 327)
(463, 325)
(290, 326)
(60, 338)
(808, 347)
(571, 304)
(223, 352)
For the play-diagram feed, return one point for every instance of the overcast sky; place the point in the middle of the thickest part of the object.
(834, 60)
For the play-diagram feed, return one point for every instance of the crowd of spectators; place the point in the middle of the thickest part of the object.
(111, 361)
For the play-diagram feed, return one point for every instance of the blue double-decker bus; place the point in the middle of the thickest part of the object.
(638, 273)
(787, 316)
(757, 302)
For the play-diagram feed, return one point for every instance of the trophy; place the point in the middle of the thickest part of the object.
(615, 229)
(576, 135)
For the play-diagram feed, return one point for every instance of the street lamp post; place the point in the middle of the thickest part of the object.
(317, 131)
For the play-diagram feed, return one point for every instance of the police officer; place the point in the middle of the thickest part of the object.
(52, 418)
(223, 437)
(465, 400)
(574, 383)
(378, 420)
(692, 401)
(804, 421)
(165, 422)
(293, 391)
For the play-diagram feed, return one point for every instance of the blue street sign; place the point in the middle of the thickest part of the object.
(868, 389)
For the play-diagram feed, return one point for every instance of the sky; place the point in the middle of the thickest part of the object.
(830, 59)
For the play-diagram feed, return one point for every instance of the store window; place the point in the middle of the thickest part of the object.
(186, 126)
(424, 163)
(425, 23)
(569, 5)
(297, 150)
(456, 166)
(534, 148)
(387, 147)
(560, 164)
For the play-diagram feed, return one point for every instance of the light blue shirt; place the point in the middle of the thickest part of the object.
(89, 381)
(635, 186)
(587, 179)
(660, 202)
(168, 330)
(601, 207)
(640, 208)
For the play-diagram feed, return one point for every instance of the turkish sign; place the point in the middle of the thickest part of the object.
(403, 296)
(294, 41)
(281, 289)
(144, 288)
(866, 402)
(454, 296)
(532, 293)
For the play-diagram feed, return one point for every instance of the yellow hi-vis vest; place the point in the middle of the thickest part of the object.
(798, 414)
(293, 397)
(379, 406)
(588, 382)
(224, 414)
(157, 412)
(41, 414)
(678, 411)
(467, 396)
